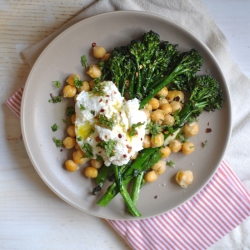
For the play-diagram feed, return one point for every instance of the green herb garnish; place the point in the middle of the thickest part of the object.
(54, 127)
(109, 147)
(98, 89)
(55, 99)
(79, 138)
(84, 61)
(57, 142)
(99, 158)
(70, 111)
(132, 131)
(105, 121)
(82, 107)
(64, 120)
(77, 82)
(88, 150)
(154, 128)
(170, 163)
(57, 84)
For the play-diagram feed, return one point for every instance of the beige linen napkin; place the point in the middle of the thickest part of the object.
(193, 16)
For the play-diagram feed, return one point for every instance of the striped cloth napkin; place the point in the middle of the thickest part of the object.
(197, 224)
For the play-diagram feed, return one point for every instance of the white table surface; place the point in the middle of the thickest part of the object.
(31, 215)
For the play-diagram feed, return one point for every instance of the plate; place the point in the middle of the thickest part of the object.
(62, 58)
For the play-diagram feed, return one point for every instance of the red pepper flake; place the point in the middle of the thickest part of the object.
(61, 150)
(115, 92)
(156, 196)
(93, 45)
(107, 101)
(100, 100)
(120, 136)
(98, 139)
(124, 156)
(99, 152)
(208, 123)
(141, 139)
(208, 130)
(102, 110)
(106, 137)
(107, 95)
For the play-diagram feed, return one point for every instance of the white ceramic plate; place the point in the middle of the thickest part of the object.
(62, 58)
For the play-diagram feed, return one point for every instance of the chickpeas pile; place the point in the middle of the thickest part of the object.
(160, 109)
(70, 90)
(69, 142)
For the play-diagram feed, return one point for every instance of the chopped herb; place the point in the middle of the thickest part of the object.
(204, 144)
(105, 121)
(79, 138)
(64, 120)
(57, 84)
(132, 131)
(92, 112)
(99, 158)
(181, 137)
(70, 111)
(57, 142)
(98, 89)
(77, 82)
(88, 150)
(55, 99)
(192, 119)
(92, 131)
(84, 61)
(54, 127)
(153, 128)
(82, 107)
(109, 147)
(170, 163)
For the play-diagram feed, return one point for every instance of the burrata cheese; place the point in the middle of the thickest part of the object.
(108, 126)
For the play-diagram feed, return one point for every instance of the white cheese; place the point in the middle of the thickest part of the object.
(124, 114)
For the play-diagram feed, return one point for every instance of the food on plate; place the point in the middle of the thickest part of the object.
(184, 178)
(140, 106)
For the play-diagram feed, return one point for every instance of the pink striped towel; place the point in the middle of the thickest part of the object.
(218, 208)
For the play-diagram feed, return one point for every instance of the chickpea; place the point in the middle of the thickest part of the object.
(176, 106)
(175, 95)
(187, 148)
(159, 167)
(85, 87)
(78, 157)
(166, 151)
(73, 118)
(105, 57)
(69, 142)
(162, 101)
(191, 129)
(69, 91)
(71, 166)
(150, 176)
(168, 120)
(154, 103)
(91, 172)
(98, 51)
(157, 115)
(184, 178)
(167, 108)
(96, 164)
(71, 131)
(163, 92)
(94, 71)
(71, 79)
(147, 141)
(157, 140)
(148, 107)
(175, 146)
